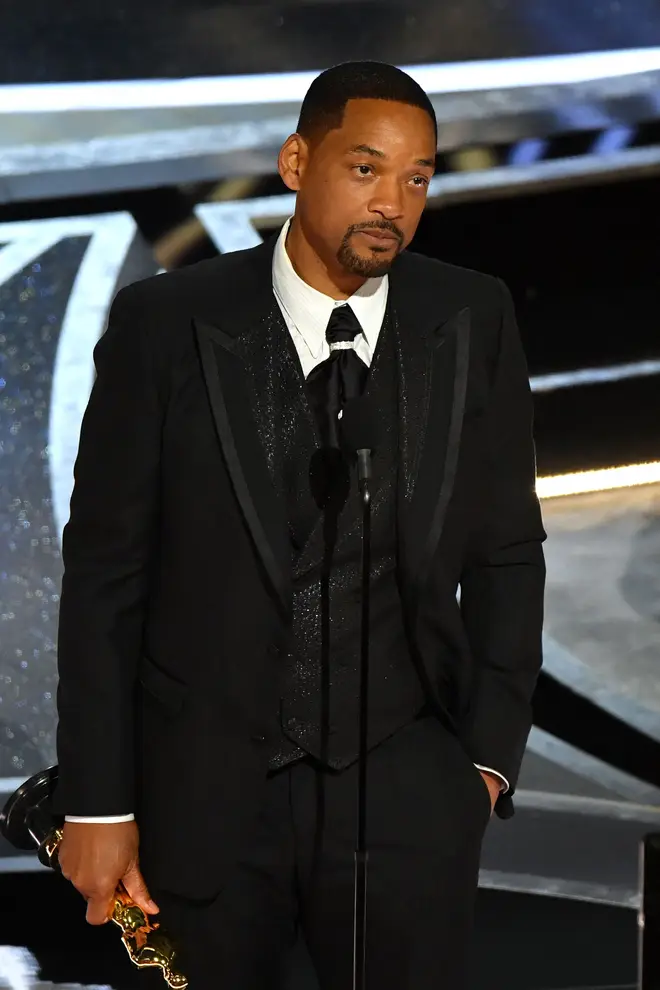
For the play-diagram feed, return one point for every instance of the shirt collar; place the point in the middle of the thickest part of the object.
(309, 310)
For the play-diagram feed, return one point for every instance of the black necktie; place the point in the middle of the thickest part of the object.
(339, 378)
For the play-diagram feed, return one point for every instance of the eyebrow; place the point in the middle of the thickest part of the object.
(366, 149)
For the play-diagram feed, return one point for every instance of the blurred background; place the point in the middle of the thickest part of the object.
(140, 137)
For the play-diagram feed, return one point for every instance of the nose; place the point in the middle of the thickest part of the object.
(387, 200)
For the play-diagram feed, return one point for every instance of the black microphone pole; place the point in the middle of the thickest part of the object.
(360, 430)
(361, 851)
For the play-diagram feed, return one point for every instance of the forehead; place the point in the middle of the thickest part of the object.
(385, 124)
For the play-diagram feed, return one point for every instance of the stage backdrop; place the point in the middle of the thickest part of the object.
(79, 41)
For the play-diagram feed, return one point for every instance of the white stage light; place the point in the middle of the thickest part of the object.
(290, 87)
(605, 479)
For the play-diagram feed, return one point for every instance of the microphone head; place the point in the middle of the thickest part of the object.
(359, 424)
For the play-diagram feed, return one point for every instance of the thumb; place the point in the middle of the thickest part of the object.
(136, 889)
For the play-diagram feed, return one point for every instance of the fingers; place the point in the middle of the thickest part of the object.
(99, 894)
(136, 889)
(95, 857)
(99, 907)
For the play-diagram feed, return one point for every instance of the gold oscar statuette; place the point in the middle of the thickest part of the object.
(27, 823)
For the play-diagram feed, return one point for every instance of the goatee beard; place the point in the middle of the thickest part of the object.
(356, 264)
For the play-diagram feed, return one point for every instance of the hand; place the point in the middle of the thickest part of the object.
(494, 785)
(96, 858)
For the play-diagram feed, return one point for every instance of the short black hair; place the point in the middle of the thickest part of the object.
(325, 101)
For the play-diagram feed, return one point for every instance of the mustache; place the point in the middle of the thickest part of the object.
(387, 225)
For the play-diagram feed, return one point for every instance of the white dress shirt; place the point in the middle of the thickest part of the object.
(306, 312)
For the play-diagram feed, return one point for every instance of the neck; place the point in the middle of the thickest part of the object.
(307, 264)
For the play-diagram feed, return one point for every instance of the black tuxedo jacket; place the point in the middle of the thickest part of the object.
(177, 563)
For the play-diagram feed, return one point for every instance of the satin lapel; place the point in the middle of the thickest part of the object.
(225, 375)
(433, 374)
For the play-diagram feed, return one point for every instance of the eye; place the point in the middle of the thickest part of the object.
(363, 170)
(420, 181)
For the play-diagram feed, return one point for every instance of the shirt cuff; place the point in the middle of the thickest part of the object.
(504, 783)
(105, 820)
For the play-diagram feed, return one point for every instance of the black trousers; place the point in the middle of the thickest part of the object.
(428, 808)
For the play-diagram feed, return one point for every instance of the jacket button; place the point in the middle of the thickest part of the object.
(258, 739)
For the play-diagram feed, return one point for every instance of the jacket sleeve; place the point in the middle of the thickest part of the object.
(107, 547)
(502, 585)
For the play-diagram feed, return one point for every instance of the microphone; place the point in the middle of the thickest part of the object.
(360, 433)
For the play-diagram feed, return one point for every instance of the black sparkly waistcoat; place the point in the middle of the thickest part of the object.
(318, 711)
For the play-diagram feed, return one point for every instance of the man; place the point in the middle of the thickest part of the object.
(210, 613)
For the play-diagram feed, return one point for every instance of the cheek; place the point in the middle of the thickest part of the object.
(328, 195)
(327, 215)
(340, 204)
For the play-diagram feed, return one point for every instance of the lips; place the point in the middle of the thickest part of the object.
(383, 236)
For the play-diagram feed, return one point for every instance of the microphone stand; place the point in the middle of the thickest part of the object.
(361, 852)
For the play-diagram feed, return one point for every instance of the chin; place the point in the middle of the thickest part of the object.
(371, 265)
(379, 268)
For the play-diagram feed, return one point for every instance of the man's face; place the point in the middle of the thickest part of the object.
(362, 187)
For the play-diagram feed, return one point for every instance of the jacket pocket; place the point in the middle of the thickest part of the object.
(161, 685)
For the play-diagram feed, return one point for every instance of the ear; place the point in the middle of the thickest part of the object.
(292, 161)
